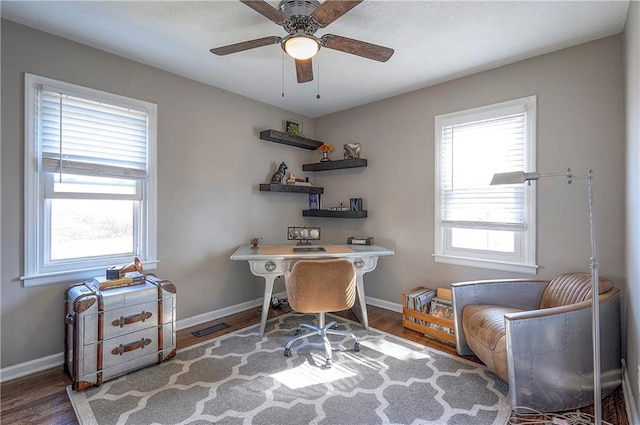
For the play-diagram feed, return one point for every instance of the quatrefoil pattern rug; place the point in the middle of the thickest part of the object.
(242, 378)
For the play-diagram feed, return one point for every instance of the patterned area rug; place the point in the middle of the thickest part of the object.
(241, 378)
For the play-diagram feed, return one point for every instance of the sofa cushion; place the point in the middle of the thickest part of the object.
(571, 288)
(484, 330)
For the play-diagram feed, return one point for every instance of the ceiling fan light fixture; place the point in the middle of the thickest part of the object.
(300, 46)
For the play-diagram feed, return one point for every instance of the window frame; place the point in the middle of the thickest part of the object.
(523, 260)
(37, 189)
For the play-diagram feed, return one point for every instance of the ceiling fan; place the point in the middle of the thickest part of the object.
(301, 19)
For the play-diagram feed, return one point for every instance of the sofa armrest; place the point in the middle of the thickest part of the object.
(520, 293)
(557, 344)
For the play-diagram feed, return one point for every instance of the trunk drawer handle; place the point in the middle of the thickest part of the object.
(125, 348)
(132, 319)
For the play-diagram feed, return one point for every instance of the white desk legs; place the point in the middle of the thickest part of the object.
(268, 289)
(269, 270)
(362, 266)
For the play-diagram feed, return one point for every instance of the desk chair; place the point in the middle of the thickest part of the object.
(321, 286)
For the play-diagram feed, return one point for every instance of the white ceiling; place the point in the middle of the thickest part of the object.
(434, 41)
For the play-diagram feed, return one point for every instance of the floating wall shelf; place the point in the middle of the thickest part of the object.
(335, 165)
(288, 139)
(274, 187)
(334, 214)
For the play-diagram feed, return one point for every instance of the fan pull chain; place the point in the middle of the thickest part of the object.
(283, 73)
(318, 60)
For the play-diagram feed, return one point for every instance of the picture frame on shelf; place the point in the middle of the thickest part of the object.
(314, 201)
(351, 150)
(293, 128)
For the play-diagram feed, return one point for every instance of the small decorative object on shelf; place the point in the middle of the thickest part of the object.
(355, 204)
(294, 128)
(314, 201)
(279, 175)
(293, 180)
(341, 207)
(303, 234)
(255, 242)
(326, 148)
(351, 150)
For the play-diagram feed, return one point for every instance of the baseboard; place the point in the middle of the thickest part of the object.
(32, 366)
(55, 360)
(397, 307)
(217, 314)
(629, 401)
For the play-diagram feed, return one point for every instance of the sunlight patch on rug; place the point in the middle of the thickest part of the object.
(394, 350)
(307, 375)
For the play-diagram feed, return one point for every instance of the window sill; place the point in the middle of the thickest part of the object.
(71, 276)
(505, 266)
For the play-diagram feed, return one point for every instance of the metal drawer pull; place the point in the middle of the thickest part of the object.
(125, 348)
(132, 319)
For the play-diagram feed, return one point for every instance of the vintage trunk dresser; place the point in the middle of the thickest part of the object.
(115, 331)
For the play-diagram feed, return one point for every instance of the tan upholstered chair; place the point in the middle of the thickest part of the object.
(537, 336)
(320, 286)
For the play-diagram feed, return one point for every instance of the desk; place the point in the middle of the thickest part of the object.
(271, 261)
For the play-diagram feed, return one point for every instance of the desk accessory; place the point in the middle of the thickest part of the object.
(255, 242)
(303, 234)
(360, 240)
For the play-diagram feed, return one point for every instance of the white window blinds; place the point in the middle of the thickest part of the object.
(472, 151)
(81, 135)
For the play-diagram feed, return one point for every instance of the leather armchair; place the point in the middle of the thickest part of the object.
(536, 335)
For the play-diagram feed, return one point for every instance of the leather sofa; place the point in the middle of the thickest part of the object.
(537, 336)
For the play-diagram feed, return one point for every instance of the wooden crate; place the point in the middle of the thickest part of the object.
(426, 318)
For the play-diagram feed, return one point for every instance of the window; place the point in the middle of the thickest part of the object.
(479, 225)
(90, 186)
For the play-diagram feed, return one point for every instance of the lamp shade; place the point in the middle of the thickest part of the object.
(300, 46)
(513, 177)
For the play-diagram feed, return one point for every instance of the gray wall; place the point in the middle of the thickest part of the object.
(580, 125)
(210, 163)
(632, 71)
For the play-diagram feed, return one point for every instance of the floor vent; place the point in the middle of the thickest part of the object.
(210, 329)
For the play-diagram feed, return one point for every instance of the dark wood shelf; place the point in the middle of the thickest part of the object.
(335, 165)
(287, 139)
(334, 214)
(273, 187)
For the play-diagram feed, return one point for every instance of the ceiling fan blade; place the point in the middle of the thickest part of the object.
(245, 45)
(266, 10)
(356, 47)
(304, 70)
(331, 10)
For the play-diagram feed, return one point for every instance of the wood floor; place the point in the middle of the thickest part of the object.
(41, 398)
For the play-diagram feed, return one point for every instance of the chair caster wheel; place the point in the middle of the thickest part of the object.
(298, 332)
(356, 347)
(287, 352)
(329, 363)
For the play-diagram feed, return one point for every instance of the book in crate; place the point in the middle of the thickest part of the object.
(429, 311)
(128, 279)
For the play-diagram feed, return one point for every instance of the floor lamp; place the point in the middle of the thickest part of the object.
(521, 177)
